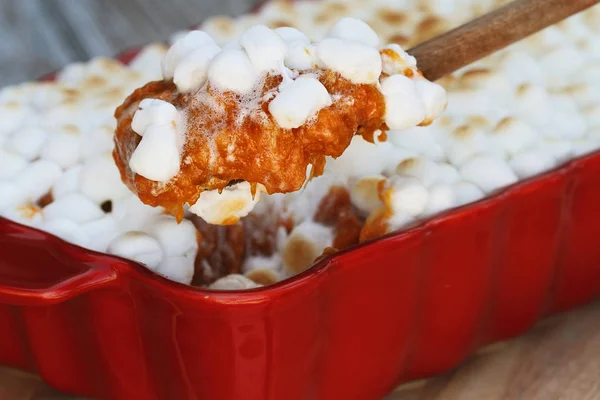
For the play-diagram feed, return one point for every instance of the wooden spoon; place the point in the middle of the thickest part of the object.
(493, 31)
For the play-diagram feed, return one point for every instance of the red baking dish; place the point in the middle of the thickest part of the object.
(406, 306)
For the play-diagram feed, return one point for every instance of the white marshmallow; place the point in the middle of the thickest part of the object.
(441, 197)
(585, 146)
(181, 48)
(301, 55)
(355, 30)
(27, 142)
(521, 68)
(299, 101)
(488, 172)
(96, 142)
(434, 98)
(25, 214)
(560, 149)
(395, 60)
(13, 115)
(63, 147)
(137, 246)
(532, 104)
(67, 183)
(425, 170)
(560, 63)
(233, 203)
(133, 215)
(157, 156)
(469, 102)
(153, 112)
(363, 193)
(176, 239)
(419, 139)
(466, 192)
(404, 107)
(447, 174)
(356, 62)
(148, 61)
(100, 180)
(37, 178)
(67, 230)
(233, 282)
(178, 268)
(565, 121)
(513, 136)
(405, 195)
(74, 207)
(101, 232)
(11, 164)
(532, 162)
(399, 220)
(265, 48)
(231, 70)
(290, 35)
(10, 195)
(192, 71)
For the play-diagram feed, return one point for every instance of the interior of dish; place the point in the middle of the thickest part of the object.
(511, 116)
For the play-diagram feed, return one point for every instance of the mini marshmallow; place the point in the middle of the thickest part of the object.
(560, 63)
(560, 149)
(363, 193)
(37, 178)
(565, 122)
(585, 146)
(301, 55)
(178, 268)
(513, 136)
(425, 170)
(488, 172)
(192, 71)
(148, 61)
(532, 162)
(227, 207)
(99, 180)
(133, 215)
(153, 112)
(419, 139)
(290, 35)
(11, 163)
(405, 195)
(355, 30)
(67, 230)
(231, 70)
(263, 276)
(441, 197)
(101, 232)
(252, 263)
(399, 220)
(356, 62)
(299, 101)
(404, 107)
(532, 104)
(305, 243)
(157, 156)
(27, 142)
(464, 142)
(181, 48)
(75, 207)
(10, 196)
(585, 94)
(63, 147)
(265, 48)
(433, 96)
(493, 82)
(67, 183)
(25, 214)
(395, 60)
(521, 68)
(137, 246)
(233, 282)
(96, 142)
(466, 192)
(447, 174)
(12, 116)
(176, 239)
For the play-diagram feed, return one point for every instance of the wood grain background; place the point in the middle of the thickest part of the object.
(560, 359)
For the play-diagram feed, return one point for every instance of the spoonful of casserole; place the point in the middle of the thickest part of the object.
(262, 113)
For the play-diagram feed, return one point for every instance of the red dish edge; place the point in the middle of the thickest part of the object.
(406, 306)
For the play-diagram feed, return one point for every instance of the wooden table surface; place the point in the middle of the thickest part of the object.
(560, 359)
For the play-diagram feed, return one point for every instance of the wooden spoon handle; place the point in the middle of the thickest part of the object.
(451, 51)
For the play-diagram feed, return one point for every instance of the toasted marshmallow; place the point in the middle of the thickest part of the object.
(441, 197)
(488, 172)
(67, 230)
(290, 35)
(37, 178)
(513, 136)
(433, 96)
(233, 203)
(192, 71)
(148, 61)
(231, 70)
(75, 207)
(419, 139)
(355, 61)
(101, 232)
(425, 170)
(11, 163)
(181, 48)
(305, 243)
(532, 104)
(466, 192)
(405, 195)
(233, 282)
(157, 155)
(532, 162)
(404, 106)
(301, 55)
(464, 142)
(488, 80)
(363, 193)
(355, 30)
(99, 180)
(395, 60)
(176, 239)
(299, 101)
(137, 246)
(63, 147)
(153, 112)
(263, 276)
(265, 48)
(27, 142)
